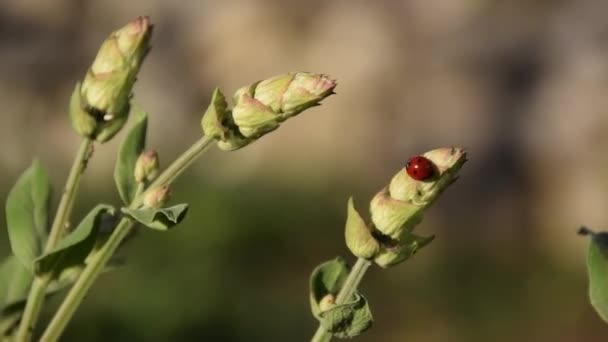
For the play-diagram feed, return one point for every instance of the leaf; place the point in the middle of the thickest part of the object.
(359, 238)
(15, 281)
(129, 152)
(403, 250)
(27, 214)
(160, 219)
(349, 319)
(326, 279)
(597, 267)
(76, 246)
(344, 320)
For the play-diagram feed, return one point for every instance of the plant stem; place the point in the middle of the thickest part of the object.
(94, 267)
(99, 258)
(69, 194)
(177, 167)
(38, 290)
(347, 291)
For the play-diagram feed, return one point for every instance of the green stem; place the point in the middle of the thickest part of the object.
(69, 194)
(347, 291)
(178, 166)
(88, 276)
(99, 258)
(37, 292)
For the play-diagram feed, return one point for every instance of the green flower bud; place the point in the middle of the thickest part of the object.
(157, 197)
(398, 208)
(358, 235)
(327, 302)
(146, 166)
(105, 92)
(262, 106)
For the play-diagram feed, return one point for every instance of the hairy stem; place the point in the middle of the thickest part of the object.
(346, 292)
(99, 258)
(35, 298)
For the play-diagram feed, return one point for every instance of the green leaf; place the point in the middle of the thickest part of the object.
(27, 214)
(344, 320)
(349, 319)
(129, 151)
(326, 279)
(160, 219)
(15, 281)
(597, 267)
(75, 247)
(409, 245)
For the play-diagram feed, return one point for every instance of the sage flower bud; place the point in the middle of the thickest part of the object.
(100, 105)
(156, 198)
(146, 166)
(260, 107)
(398, 208)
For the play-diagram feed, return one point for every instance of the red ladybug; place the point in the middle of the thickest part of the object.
(420, 168)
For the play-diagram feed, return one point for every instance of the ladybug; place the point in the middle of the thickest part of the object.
(420, 168)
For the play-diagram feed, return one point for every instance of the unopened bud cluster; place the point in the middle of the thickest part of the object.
(99, 106)
(261, 107)
(395, 211)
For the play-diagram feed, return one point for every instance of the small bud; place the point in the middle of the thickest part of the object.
(146, 167)
(105, 92)
(359, 237)
(327, 302)
(157, 197)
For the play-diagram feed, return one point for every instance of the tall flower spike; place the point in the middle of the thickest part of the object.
(260, 107)
(398, 208)
(100, 105)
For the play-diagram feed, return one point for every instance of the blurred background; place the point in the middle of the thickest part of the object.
(521, 84)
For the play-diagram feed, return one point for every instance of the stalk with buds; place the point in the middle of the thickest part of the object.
(100, 106)
(387, 240)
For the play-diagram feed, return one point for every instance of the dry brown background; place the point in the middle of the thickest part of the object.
(521, 84)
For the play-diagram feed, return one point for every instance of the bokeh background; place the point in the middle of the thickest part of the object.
(522, 84)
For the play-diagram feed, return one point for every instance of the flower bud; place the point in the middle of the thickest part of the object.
(146, 166)
(105, 93)
(261, 107)
(327, 302)
(156, 198)
(398, 208)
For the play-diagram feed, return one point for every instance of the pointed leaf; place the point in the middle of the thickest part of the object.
(359, 238)
(597, 267)
(27, 214)
(74, 248)
(160, 219)
(129, 151)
